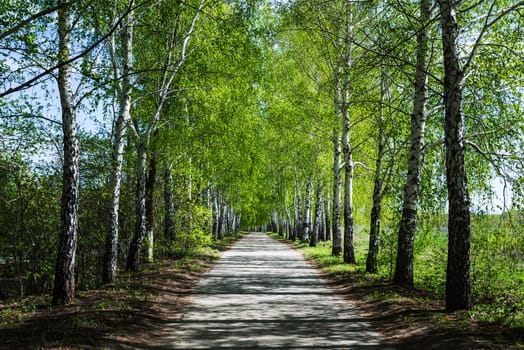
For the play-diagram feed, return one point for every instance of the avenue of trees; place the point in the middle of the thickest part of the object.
(137, 130)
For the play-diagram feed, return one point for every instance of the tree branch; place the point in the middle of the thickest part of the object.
(34, 17)
(31, 115)
(486, 26)
(48, 71)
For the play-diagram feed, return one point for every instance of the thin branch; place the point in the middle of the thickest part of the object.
(34, 17)
(48, 71)
(486, 26)
(30, 115)
(428, 147)
(362, 165)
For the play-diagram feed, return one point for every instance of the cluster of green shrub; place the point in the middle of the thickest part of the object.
(30, 223)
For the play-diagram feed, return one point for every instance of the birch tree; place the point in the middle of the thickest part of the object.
(319, 205)
(64, 285)
(123, 80)
(458, 289)
(406, 235)
(458, 295)
(378, 183)
(347, 65)
(176, 46)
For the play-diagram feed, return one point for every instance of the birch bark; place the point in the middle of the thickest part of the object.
(111, 251)
(289, 227)
(327, 225)
(458, 293)
(175, 58)
(169, 204)
(406, 235)
(306, 222)
(374, 226)
(298, 217)
(150, 191)
(64, 285)
(336, 246)
(140, 226)
(318, 216)
(349, 246)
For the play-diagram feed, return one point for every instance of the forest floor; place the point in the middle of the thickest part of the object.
(136, 313)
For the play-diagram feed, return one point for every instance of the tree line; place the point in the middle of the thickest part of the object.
(110, 104)
(396, 86)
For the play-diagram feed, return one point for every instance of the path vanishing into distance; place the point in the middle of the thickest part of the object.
(263, 294)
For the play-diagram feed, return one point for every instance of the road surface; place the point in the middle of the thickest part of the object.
(264, 295)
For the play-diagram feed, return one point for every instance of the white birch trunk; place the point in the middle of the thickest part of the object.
(169, 204)
(306, 223)
(64, 285)
(327, 216)
(173, 61)
(111, 253)
(318, 215)
(374, 226)
(150, 190)
(140, 228)
(336, 248)
(349, 246)
(406, 235)
(297, 230)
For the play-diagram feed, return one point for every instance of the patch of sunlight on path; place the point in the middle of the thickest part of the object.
(263, 294)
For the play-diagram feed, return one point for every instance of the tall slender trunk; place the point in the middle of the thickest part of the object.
(215, 213)
(229, 219)
(374, 229)
(458, 293)
(321, 224)
(349, 246)
(239, 220)
(150, 191)
(318, 215)
(289, 228)
(111, 251)
(327, 215)
(64, 286)
(374, 226)
(306, 222)
(220, 218)
(133, 258)
(169, 204)
(233, 220)
(298, 218)
(336, 248)
(408, 222)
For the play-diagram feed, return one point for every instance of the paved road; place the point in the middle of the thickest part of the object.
(263, 294)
